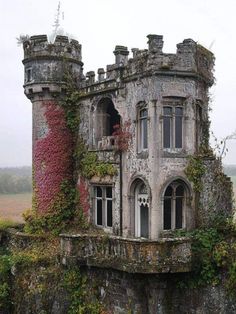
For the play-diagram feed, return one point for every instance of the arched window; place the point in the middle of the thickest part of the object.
(105, 119)
(141, 211)
(142, 129)
(174, 206)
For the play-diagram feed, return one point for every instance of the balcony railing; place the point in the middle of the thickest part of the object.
(107, 143)
(130, 255)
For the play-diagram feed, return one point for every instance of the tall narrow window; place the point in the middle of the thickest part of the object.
(172, 127)
(167, 127)
(143, 129)
(141, 211)
(174, 202)
(28, 74)
(103, 206)
(178, 127)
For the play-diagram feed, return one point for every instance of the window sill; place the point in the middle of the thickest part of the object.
(174, 153)
(142, 154)
(171, 233)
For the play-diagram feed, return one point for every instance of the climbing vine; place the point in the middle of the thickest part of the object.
(194, 171)
(214, 255)
(90, 166)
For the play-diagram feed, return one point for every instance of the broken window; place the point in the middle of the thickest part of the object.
(142, 129)
(103, 206)
(105, 119)
(174, 202)
(172, 127)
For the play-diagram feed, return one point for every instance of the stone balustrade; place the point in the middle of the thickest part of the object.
(129, 255)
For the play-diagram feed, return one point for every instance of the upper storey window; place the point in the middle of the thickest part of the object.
(143, 129)
(173, 127)
(103, 206)
(105, 120)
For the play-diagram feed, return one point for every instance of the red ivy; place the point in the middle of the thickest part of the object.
(83, 195)
(52, 157)
(123, 135)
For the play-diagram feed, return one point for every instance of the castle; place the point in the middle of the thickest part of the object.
(143, 118)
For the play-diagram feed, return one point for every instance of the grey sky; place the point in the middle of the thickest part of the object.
(99, 25)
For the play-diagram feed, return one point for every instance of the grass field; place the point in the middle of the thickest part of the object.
(12, 205)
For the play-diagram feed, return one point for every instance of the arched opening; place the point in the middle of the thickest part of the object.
(139, 206)
(106, 118)
(174, 206)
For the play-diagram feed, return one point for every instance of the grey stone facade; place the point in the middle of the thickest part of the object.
(161, 102)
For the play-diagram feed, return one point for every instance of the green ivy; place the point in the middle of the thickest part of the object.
(90, 166)
(214, 255)
(194, 171)
(77, 287)
(63, 211)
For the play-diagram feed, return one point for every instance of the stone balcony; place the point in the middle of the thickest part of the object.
(129, 255)
(108, 143)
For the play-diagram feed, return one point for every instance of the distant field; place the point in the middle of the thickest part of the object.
(12, 205)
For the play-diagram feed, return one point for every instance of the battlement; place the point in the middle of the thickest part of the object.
(39, 47)
(190, 59)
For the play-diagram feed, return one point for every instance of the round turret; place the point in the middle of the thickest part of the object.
(47, 66)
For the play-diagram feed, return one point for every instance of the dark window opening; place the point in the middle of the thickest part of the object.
(106, 118)
(28, 75)
(143, 129)
(173, 127)
(103, 206)
(174, 202)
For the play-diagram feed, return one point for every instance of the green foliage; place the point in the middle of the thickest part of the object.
(7, 223)
(77, 287)
(62, 211)
(70, 100)
(203, 251)
(214, 254)
(194, 171)
(90, 166)
(5, 266)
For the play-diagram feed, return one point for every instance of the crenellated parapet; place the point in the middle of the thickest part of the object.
(46, 64)
(39, 47)
(190, 59)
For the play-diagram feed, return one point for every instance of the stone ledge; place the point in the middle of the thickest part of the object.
(129, 255)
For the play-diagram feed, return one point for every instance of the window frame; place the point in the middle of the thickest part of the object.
(141, 137)
(173, 105)
(105, 199)
(173, 212)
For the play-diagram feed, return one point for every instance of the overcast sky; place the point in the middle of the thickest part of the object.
(99, 25)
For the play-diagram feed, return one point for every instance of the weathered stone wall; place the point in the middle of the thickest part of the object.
(40, 290)
(217, 193)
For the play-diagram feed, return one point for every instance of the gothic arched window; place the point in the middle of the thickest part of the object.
(174, 206)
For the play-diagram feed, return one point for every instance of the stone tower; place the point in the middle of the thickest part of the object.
(45, 67)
